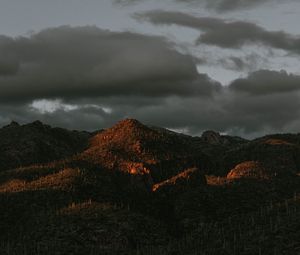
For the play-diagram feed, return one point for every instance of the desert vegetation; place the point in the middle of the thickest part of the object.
(134, 189)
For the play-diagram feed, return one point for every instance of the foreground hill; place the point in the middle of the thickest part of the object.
(137, 189)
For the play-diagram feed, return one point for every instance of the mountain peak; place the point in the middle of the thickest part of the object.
(128, 123)
(127, 128)
(37, 123)
(125, 133)
(13, 124)
(211, 137)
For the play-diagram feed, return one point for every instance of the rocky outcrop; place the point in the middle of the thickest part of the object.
(211, 137)
(251, 170)
(260, 171)
(188, 179)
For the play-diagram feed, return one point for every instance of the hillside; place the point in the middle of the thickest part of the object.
(138, 189)
(22, 145)
(133, 147)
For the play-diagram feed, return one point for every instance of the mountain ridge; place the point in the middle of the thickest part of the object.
(135, 188)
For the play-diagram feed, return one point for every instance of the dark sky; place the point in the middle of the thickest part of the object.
(192, 65)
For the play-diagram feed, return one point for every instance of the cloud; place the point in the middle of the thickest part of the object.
(249, 110)
(217, 5)
(262, 114)
(87, 61)
(89, 78)
(224, 33)
(44, 106)
(231, 5)
(9, 64)
(249, 62)
(236, 62)
(267, 82)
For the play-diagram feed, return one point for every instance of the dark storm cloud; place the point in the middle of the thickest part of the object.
(88, 78)
(224, 33)
(218, 5)
(87, 61)
(9, 65)
(83, 118)
(269, 113)
(231, 110)
(245, 109)
(230, 5)
(267, 82)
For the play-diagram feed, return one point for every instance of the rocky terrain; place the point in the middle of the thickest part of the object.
(137, 189)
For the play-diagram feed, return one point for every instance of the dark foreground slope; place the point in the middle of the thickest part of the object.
(134, 189)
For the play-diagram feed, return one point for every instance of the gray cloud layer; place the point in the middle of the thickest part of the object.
(267, 82)
(87, 61)
(223, 33)
(226, 5)
(92, 70)
(218, 5)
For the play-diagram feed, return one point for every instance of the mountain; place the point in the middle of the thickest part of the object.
(34, 143)
(132, 147)
(138, 189)
(279, 153)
